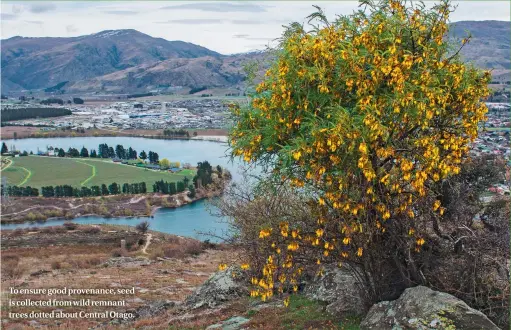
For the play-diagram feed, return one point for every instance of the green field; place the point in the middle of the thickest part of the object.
(38, 171)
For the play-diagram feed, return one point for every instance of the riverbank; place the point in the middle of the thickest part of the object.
(32, 209)
(27, 132)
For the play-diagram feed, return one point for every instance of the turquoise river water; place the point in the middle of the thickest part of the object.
(187, 220)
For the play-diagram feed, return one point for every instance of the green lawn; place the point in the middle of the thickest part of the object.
(38, 171)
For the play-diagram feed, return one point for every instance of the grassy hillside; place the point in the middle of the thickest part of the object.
(38, 171)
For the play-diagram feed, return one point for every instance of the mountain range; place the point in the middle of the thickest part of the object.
(123, 61)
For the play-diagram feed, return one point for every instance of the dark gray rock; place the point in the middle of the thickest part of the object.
(221, 287)
(153, 309)
(127, 262)
(234, 323)
(422, 308)
(338, 288)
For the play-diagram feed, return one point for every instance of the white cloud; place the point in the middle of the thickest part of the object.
(42, 7)
(225, 27)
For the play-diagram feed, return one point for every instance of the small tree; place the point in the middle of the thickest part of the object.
(357, 112)
(143, 227)
(77, 100)
(143, 155)
(164, 163)
(4, 148)
(191, 191)
(84, 152)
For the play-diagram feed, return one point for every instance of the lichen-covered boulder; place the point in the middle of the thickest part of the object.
(422, 308)
(221, 287)
(339, 289)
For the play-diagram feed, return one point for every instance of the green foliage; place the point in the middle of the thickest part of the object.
(77, 100)
(28, 113)
(197, 89)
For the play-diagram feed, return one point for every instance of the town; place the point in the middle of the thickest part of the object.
(196, 113)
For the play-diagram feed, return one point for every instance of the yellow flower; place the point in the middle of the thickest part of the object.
(286, 302)
(360, 251)
(245, 266)
(293, 246)
(264, 233)
(420, 241)
(436, 205)
(362, 148)
(222, 266)
(297, 155)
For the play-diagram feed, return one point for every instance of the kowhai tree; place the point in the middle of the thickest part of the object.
(367, 113)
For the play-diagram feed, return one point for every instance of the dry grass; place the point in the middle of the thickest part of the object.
(81, 266)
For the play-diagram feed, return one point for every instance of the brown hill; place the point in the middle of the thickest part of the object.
(35, 63)
(129, 61)
(490, 44)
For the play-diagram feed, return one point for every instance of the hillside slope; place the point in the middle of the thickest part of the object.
(490, 44)
(129, 61)
(34, 63)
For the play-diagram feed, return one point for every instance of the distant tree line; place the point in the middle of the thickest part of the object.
(106, 151)
(131, 96)
(197, 89)
(170, 188)
(21, 191)
(52, 101)
(27, 113)
(103, 190)
(56, 87)
(172, 132)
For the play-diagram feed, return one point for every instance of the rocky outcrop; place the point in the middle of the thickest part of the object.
(221, 287)
(422, 308)
(153, 309)
(338, 288)
(234, 323)
(127, 262)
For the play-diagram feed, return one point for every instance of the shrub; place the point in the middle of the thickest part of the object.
(183, 249)
(346, 114)
(119, 253)
(56, 265)
(59, 229)
(33, 216)
(48, 230)
(91, 230)
(17, 232)
(70, 225)
(143, 227)
(53, 213)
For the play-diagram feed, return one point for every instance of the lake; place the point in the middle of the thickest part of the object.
(186, 220)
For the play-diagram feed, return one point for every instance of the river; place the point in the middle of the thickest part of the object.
(187, 220)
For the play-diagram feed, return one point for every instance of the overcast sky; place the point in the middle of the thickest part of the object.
(224, 26)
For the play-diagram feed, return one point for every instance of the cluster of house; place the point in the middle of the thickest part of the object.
(174, 168)
(151, 114)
